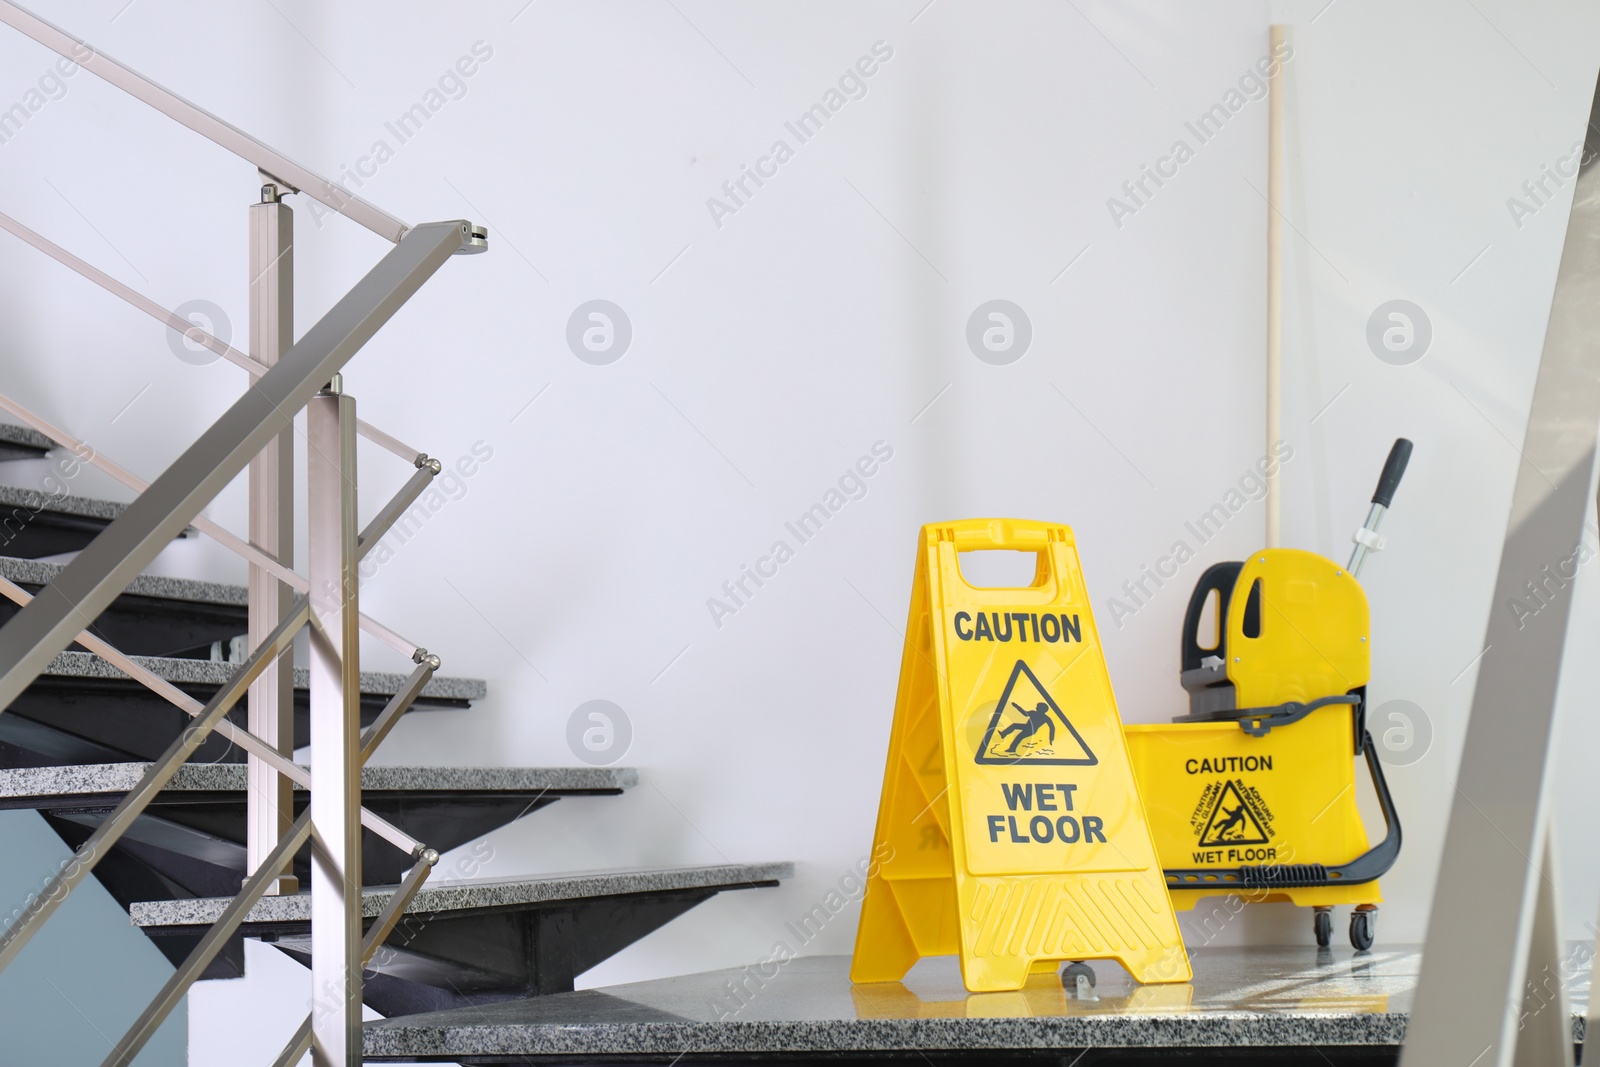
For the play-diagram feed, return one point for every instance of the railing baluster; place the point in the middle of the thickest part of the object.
(269, 797)
(398, 705)
(379, 932)
(92, 851)
(335, 728)
(255, 887)
(384, 519)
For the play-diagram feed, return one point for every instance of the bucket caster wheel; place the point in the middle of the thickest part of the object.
(1363, 924)
(1078, 979)
(1322, 923)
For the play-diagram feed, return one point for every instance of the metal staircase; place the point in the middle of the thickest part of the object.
(152, 722)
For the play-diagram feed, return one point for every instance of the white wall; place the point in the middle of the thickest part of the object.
(827, 314)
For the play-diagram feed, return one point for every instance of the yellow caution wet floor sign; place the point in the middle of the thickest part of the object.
(1014, 829)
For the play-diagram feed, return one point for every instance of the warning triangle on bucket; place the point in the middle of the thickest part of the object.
(1232, 822)
(1028, 726)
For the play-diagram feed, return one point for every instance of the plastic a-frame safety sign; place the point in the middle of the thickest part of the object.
(1010, 823)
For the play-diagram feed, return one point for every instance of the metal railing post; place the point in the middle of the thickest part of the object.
(270, 796)
(335, 730)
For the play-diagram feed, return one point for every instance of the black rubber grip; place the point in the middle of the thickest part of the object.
(1393, 468)
(1286, 875)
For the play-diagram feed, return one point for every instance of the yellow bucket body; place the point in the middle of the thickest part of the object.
(1220, 798)
(1217, 797)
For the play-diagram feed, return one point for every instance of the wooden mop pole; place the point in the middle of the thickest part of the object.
(1274, 284)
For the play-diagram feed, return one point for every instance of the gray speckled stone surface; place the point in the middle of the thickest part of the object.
(65, 504)
(205, 672)
(26, 436)
(1283, 997)
(98, 779)
(477, 893)
(37, 572)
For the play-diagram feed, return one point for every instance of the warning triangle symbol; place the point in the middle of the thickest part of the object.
(1028, 726)
(1231, 822)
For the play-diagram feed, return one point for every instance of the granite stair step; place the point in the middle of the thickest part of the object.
(190, 842)
(473, 942)
(23, 442)
(155, 616)
(1258, 1005)
(81, 709)
(36, 522)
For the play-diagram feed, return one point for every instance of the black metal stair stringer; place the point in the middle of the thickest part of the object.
(129, 723)
(478, 942)
(208, 830)
(455, 959)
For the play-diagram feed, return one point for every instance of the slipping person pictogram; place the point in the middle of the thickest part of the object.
(1226, 826)
(1231, 821)
(1034, 721)
(1043, 734)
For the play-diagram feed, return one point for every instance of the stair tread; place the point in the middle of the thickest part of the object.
(66, 504)
(99, 779)
(208, 672)
(475, 893)
(38, 572)
(26, 436)
(805, 1010)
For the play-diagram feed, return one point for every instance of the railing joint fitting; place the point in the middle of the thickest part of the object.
(283, 188)
(474, 239)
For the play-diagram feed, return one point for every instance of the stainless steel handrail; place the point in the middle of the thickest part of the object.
(224, 134)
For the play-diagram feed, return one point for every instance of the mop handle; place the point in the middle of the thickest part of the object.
(1366, 538)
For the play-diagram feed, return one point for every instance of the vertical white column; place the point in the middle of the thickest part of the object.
(1485, 927)
(271, 700)
(335, 731)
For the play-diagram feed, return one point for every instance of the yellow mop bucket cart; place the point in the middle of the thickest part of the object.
(1253, 793)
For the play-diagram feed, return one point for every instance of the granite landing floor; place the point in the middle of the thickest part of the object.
(1254, 1006)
